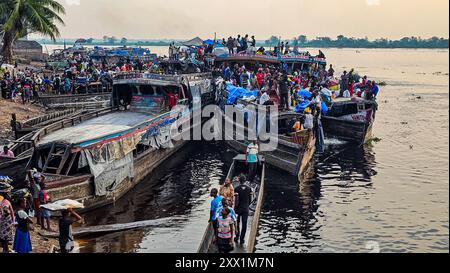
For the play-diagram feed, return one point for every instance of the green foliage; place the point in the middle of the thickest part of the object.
(22, 17)
(342, 41)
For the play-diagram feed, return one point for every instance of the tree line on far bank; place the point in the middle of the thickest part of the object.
(302, 41)
(342, 41)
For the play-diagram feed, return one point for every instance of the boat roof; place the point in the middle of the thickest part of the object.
(103, 126)
(299, 58)
(157, 79)
(349, 101)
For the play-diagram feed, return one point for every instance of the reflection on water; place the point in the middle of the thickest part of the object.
(177, 191)
(293, 216)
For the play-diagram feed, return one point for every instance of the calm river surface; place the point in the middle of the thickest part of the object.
(393, 195)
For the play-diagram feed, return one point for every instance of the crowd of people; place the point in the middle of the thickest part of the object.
(279, 85)
(21, 212)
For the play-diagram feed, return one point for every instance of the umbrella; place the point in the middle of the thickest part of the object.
(209, 42)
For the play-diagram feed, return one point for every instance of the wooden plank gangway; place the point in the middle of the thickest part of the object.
(102, 229)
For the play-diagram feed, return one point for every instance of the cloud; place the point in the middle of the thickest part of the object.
(73, 2)
(373, 2)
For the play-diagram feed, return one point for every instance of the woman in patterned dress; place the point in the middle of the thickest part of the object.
(6, 218)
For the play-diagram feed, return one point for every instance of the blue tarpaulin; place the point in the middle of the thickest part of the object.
(304, 94)
(302, 106)
(235, 93)
(209, 42)
(324, 108)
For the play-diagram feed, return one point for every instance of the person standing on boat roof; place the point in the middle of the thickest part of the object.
(331, 71)
(243, 201)
(216, 208)
(252, 159)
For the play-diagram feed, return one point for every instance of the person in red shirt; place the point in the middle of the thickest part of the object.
(306, 83)
(351, 88)
(260, 78)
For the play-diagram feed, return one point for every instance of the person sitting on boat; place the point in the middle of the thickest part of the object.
(309, 119)
(216, 208)
(244, 195)
(227, 191)
(7, 153)
(297, 126)
(252, 159)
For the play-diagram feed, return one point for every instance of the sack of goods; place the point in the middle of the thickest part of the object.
(63, 205)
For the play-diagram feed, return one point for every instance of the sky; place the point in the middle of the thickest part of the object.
(184, 19)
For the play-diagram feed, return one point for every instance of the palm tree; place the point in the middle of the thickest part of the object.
(28, 16)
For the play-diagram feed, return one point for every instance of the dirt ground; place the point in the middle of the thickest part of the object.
(43, 244)
(23, 112)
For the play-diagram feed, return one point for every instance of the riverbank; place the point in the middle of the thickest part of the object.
(23, 112)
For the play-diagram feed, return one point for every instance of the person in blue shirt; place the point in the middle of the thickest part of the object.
(227, 73)
(375, 90)
(216, 208)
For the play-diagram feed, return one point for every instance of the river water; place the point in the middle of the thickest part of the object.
(392, 196)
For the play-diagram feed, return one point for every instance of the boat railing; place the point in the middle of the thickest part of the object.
(45, 118)
(70, 122)
(178, 79)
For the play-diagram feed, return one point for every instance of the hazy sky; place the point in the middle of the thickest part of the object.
(288, 18)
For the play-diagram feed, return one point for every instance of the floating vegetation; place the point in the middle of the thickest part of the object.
(373, 140)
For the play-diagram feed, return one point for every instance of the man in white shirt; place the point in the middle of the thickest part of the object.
(309, 119)
(264, 98)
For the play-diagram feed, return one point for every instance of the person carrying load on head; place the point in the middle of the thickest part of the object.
(252, 159)
(65, 230)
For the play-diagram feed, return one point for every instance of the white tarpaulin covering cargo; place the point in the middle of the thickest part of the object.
(107, 176)
(111, 163)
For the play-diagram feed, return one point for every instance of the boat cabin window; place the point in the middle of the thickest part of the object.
(145, 97)
(344, 109)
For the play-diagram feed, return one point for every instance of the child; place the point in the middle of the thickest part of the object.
(22, 240)
(225, 231)
(45, 214)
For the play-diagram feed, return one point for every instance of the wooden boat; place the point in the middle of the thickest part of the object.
(239, 167)
(22, 147)
(350, 120)
(92, 100)
(295, 150)
(21, 129)
(252, 61)
(97, 158)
